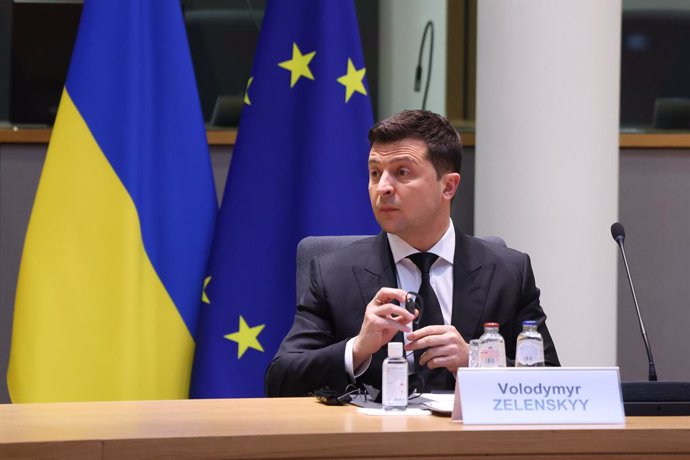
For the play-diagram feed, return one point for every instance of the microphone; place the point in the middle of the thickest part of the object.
(618, 234)
(651, 397)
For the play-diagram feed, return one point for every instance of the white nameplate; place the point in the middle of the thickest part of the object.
(545, 395)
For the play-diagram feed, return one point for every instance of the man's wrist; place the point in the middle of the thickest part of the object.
(358, 357)
(353, 369)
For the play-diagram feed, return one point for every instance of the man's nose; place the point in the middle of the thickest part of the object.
(385, 185)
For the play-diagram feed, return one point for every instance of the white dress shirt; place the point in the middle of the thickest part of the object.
(410, 278)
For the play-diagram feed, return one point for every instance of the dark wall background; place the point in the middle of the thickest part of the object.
(36, 40)
(655, 68)
(5, 47)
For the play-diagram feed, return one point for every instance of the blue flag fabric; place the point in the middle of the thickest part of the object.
(299, 168)
(116, 250)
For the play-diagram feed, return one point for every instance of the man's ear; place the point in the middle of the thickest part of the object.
(451, 182)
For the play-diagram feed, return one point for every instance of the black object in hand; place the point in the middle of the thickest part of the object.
(414, 301)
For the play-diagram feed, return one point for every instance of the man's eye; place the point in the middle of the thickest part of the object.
(403, 172)
(373, 174)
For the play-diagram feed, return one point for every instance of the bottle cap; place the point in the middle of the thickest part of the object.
(395, 349)
(529, 322)
(491, 325)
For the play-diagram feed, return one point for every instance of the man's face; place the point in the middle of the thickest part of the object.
(407, 197)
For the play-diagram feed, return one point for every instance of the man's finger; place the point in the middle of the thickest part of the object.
(427, 331)
(391, 310)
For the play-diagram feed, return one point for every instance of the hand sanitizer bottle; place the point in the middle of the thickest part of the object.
(394, 378)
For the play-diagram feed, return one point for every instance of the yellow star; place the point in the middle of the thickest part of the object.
(246, 92)
(298, 65)
(246, 337)
(352, 80)
(204, 297)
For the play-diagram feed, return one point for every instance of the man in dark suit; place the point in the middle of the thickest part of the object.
(351, 310)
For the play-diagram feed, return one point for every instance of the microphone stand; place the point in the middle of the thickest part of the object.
(428, 28)
(652, 367)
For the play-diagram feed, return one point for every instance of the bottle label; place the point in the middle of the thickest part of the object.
(529, 353)
(492, 355)
(394, 386)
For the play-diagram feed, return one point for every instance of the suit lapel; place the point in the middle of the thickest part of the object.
(471, 282)
(376, 269)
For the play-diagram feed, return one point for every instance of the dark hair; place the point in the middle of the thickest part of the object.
(442, 139)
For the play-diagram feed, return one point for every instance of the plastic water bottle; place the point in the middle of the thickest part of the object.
(394, 378)
(492, 347)
(530, 346)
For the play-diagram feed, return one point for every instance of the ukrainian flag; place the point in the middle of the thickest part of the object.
(114, 257)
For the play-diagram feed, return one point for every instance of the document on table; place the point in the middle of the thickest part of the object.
(425, 404)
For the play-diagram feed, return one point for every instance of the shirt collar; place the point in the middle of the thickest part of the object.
(444, 248)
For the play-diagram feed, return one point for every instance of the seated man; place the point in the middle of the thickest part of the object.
(351, 310)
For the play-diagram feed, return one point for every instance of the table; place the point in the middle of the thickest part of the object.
(303, 428)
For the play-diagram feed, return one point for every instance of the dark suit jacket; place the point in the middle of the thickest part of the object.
(490, 284)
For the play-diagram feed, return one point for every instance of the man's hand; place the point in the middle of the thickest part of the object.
(382, 320)
(444, 345)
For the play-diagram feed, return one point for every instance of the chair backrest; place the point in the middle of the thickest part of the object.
(312, 246)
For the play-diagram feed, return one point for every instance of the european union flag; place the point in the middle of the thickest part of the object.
(299, 168)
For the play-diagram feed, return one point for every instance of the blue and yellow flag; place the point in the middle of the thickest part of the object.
(117, 244)
(299, 168)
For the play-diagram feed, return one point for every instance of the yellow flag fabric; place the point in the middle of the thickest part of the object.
(112, 269)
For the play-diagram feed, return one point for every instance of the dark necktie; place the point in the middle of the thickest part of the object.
(431, 379)
(432, 308)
